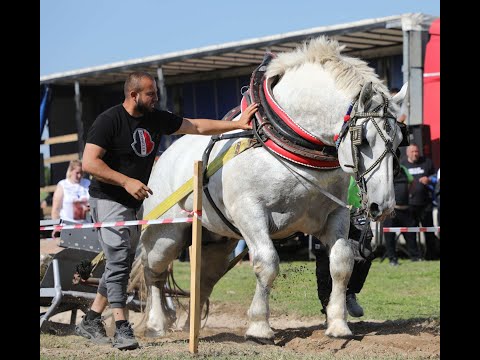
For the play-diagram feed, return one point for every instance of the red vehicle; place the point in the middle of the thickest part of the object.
(431, 90)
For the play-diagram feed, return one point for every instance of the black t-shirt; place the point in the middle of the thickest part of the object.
(400, 183)
(420, 194)
(131, 144)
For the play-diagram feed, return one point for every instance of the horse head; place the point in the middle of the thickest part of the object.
(368, 147)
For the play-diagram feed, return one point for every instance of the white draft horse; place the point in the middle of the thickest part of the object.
(332, 118)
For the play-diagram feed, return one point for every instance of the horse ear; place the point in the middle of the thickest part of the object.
(365, 97)
(400, 96)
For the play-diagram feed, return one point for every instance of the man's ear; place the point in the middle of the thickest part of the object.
(133, 95)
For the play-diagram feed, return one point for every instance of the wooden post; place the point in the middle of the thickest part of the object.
(195, 258)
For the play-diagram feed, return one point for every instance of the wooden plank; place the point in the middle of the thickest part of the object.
(60, 158)
(61, 139)
(195, 259)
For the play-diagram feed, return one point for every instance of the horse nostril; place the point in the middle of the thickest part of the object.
(374, 210)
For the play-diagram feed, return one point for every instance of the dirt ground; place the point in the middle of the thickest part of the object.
(223, 336)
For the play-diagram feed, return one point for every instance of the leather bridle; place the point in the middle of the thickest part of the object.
(357, 130)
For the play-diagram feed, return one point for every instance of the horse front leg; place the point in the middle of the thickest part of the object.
(341, 266)
(266, 265)
(341, 261)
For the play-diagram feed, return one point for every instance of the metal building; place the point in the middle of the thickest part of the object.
(207, 81)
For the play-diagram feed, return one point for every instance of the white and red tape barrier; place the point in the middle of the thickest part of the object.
(412, 229)
(190, 219)
(118, 223)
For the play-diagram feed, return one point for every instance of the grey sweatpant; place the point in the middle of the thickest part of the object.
(119, 245)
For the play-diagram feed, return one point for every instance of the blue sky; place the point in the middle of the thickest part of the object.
(78, 34)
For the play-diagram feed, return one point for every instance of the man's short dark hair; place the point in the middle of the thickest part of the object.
(133, 81)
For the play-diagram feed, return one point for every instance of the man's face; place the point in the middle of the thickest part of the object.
(413, 153)
(147, 97)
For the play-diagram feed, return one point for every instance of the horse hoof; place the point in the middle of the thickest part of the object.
(346, 336)
(339, 335)
(260, 341)
(150, 333)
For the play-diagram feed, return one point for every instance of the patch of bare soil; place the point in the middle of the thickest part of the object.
(222, 336)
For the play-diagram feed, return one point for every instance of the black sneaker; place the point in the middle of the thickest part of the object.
(93, 330)
(124, 338)
(353, 307)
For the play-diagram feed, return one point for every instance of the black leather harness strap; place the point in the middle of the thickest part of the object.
(206, 156)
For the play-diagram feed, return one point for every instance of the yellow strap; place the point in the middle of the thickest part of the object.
(187, 187)
(100, 257)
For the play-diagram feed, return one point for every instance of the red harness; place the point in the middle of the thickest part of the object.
(300, 147)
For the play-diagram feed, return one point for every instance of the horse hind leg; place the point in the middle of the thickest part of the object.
(159, 317)
(160, 251)
(215, 259)
(341, 266)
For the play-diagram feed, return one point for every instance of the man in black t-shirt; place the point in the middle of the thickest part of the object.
(420, 199)
(119, 153)
(403, 218)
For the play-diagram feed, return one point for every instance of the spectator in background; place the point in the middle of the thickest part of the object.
(420, 199)
(70, 199)
(402, 218)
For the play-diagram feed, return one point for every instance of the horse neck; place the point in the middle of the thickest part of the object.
(310, 97)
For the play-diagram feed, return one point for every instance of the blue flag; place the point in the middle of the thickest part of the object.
(44, 105)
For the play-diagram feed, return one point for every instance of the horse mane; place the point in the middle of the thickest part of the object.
(349, 73)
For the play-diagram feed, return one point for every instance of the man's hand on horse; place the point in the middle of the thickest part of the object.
(247, 114)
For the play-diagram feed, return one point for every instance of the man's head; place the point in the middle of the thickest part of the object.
(141, 89)
(413, 153)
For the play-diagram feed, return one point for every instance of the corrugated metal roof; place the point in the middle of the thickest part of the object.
(364, 38)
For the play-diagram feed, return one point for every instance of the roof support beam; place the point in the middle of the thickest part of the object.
(78, 118)
(210, 75)
(162, 89)
(376, 52)
(414, 41)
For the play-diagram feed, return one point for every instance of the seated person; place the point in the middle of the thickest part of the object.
(70, 199)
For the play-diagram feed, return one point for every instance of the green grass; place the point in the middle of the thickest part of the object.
(411, 290)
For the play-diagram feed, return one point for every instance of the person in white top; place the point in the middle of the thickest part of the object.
(70, 199)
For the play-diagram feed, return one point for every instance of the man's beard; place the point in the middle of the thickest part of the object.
(142, 108)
